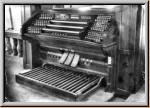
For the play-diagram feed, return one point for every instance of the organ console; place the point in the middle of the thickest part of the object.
(73, 53)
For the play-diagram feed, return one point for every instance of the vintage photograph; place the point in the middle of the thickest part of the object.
(74, 53)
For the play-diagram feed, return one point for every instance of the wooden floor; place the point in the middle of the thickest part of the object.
(19, 93)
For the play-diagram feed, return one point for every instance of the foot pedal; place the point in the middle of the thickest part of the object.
(69, 59)
(75, 60)
(64, 57)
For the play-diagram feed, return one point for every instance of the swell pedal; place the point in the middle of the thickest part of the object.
(75, 60)
(69, 58)
(64, 57)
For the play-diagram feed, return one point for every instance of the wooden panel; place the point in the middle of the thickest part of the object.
(58, 6)
(27, 51)
(118, 21)
(124, 67)
(70, 45)
(129, 79)
(127, 40)
(125, 23)
(125, 77)
(137, 69)
(31, 54)
(132, 34)
(90, 55)
(27, 56)
(24, 54)
(46, 7)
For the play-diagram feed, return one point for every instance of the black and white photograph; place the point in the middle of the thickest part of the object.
(75, 53)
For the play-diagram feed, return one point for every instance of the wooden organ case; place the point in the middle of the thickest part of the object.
(73, 53)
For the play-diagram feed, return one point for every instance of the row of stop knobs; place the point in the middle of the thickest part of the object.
(58, 34)
(45, 16)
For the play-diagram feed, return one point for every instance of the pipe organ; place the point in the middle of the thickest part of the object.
(72, 53)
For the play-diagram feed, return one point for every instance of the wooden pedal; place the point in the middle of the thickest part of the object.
(64, 57)
(69, 59)
(75, 60)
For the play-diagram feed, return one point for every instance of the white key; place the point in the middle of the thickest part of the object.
(65, 31)
(65, 26)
